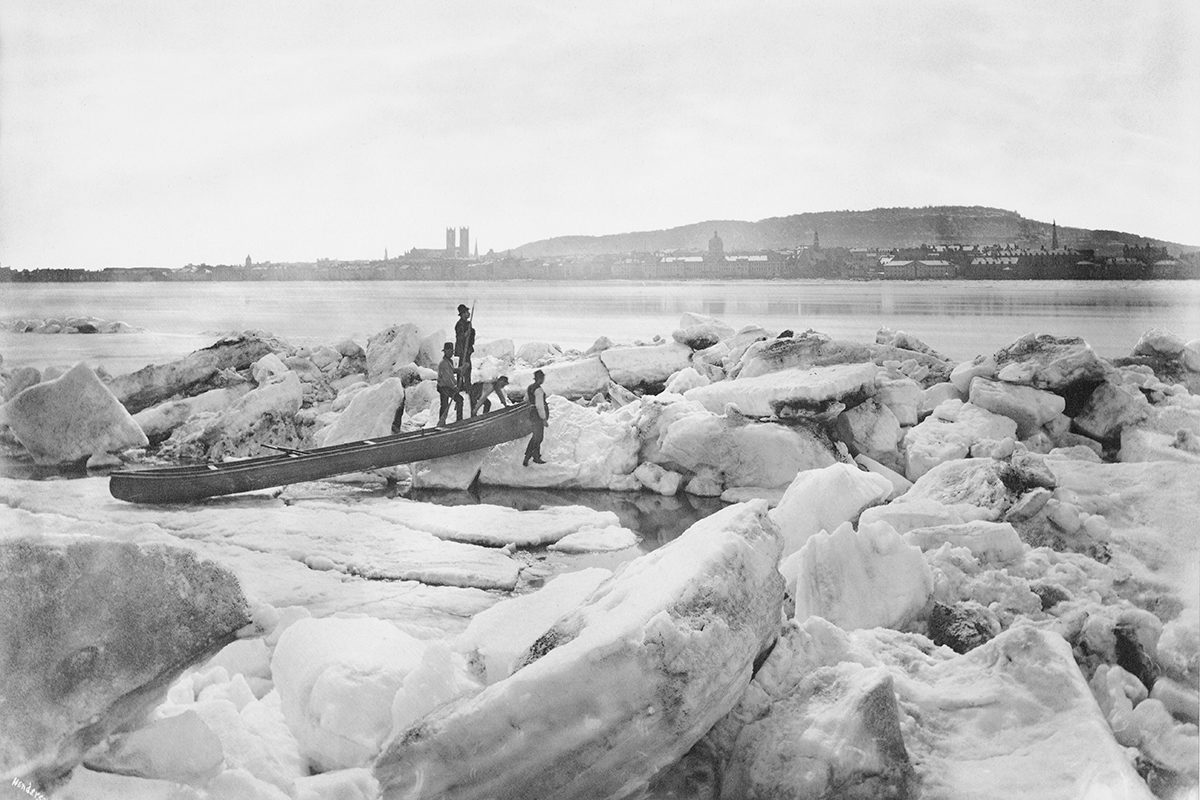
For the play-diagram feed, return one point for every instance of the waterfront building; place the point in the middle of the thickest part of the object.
(900, 270)
(991, 267)
(679, 267)
(754, 266)
(935, 269)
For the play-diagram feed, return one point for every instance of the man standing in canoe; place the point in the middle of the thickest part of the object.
(447, 385)
(464, 347)
(539, 412)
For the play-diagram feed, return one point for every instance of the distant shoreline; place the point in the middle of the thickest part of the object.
(99, 277)
(625, 280)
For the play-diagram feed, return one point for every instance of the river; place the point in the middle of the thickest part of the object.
(959, 318)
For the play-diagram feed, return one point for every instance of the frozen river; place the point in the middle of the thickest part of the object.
(960, 318)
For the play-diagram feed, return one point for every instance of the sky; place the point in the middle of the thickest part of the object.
(141, 132)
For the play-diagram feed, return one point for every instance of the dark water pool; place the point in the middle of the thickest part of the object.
(656, 519)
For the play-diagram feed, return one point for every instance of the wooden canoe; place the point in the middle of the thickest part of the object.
(195, 482)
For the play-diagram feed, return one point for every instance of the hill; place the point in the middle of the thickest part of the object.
(877, 228)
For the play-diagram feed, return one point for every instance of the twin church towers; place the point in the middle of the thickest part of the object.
(463, 249)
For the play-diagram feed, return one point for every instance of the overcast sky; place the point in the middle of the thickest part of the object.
(162, 133)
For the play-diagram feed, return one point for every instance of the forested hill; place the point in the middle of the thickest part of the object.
(878, 228)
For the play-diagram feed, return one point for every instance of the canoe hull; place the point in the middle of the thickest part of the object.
(189, 483)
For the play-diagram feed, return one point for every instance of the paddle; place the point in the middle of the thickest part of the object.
(288, 450)
(470, 347)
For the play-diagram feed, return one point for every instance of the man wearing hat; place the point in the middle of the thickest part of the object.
(464, 346)
(539, 412)
(447, 385)
(482, 391)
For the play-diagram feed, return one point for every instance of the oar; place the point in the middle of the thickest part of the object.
(288, 450)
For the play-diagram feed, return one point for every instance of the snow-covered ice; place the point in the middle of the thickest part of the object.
(796, 387)
(618, 688)
(1013, 718)
(990, 542)
(1151, 509)
(861, 579)
(70, 418)
(498, 637)
(1030, 408)
(338, 679)
(370, 412)
(745, 453)
(596, 540)
(158, 421)
(645, 366)
(949, 433)
(492, 525)
(571, 379)
(823, 499)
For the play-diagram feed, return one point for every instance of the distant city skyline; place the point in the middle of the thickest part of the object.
(136, 133)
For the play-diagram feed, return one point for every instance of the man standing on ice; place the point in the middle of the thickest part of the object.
(540, 413)
(447, 385)
(464, 347)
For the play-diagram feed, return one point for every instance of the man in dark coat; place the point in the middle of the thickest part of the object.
(464, 347)
(539, 412)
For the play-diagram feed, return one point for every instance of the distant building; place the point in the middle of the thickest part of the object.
(758, 265)
(991, 267)
(428, 253)
(716, 248)
(862, 264)
(680, 266)
(136, 273)
(458, 246)
(1167, 268)
(1147, 253)
(922, 269)
(899, 270)
(936, 269)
